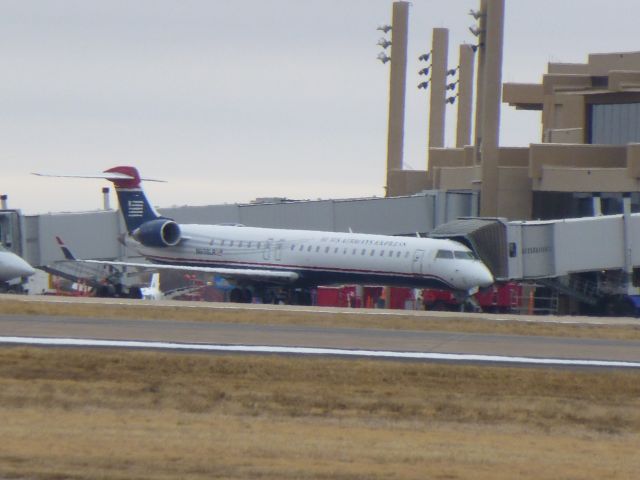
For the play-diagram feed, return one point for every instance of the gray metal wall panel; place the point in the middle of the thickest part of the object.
(589, 244)
(615, 124)
(635, 240)
(88, 235)
(538, 250)
(394, 216)
(203, 214)
(514, 242)
(32, 240)
(458, 205)
(390, 216)
(317, 215)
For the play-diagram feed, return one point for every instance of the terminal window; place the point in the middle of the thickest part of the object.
(614, 123)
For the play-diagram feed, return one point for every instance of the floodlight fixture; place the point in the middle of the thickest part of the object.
(384, 28)
(424, 85)
(475, 30)
(452, 71)
(424, 71)
(451, 100)
(424, 57)
(383, 42)
(383, 57)
(451, 86)
(476, 13)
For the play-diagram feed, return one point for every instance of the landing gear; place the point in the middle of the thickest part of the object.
(300, 297)
(241, 295)
(272, 295)
(12, 288)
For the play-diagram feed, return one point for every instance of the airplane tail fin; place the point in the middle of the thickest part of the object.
(65, 250)
(134, 205)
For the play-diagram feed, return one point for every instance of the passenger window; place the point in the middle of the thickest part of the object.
(382, 253)
(301, 247)
(222, 243)
(398, 254)
(309, 248)
(336, 250)
(373, 252)
(390, 253)
(364, 250)
(258, 245)
(231, 243)
(406, 254)
(317, 248)
(444, 254)
(293, 247)
(240, 244)
(326, 249)
(248, 244)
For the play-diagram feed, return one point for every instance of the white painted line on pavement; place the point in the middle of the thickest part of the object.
(452, 357)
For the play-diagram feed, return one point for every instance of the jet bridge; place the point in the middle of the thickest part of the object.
(11, 231)
(591, 259)
(523, 250)
(487, 237)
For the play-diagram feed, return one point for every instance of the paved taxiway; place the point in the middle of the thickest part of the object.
(348, 339)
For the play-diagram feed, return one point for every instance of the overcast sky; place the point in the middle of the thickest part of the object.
(233, 100)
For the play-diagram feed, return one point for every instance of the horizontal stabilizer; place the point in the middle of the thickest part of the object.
(111, 176)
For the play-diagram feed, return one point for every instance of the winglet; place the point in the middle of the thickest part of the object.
(129, 177)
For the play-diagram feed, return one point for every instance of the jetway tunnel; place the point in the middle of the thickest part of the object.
(487, 237)
(11, 231)
(591, 262)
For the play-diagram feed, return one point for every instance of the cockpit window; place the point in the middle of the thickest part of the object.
(444, 254)
(462, 255)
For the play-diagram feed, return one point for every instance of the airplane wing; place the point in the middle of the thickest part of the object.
(273, 276)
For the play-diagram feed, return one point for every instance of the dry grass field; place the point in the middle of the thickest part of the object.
(106, 414)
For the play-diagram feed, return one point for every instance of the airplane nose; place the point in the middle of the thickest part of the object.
(484, 277)
(27, 270)
(17, 267)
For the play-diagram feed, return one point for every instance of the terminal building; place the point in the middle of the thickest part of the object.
(516, 202)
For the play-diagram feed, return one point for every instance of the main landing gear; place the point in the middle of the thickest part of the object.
(277, 296)
(241, 295)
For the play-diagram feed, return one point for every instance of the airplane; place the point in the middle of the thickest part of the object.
(257, 260)
(13, 269)
(103, 280)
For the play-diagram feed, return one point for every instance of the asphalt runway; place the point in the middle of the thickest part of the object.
(303, 340)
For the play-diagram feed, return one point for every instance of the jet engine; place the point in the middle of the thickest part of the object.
(160, 232)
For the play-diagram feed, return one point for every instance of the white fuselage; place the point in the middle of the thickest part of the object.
(325, 258)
